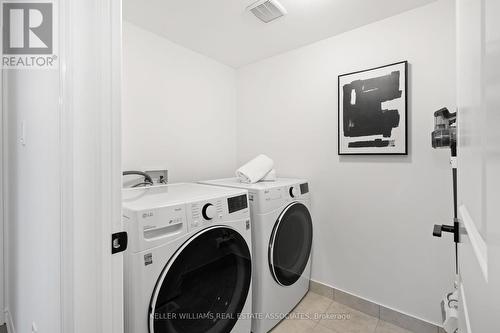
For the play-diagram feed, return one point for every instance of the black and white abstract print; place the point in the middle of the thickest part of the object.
(373, 111)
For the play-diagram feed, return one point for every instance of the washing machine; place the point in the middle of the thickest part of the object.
(282, 236)
(188, 265)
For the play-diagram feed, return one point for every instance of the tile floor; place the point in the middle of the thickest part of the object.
(319, 314)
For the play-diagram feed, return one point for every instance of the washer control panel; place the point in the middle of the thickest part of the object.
(205, 213)
(209, 211)
(237, 203)
(202, 213)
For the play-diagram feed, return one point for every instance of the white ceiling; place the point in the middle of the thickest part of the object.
(224, 31)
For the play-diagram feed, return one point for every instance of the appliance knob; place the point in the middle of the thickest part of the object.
(294, 192)
(208, 211)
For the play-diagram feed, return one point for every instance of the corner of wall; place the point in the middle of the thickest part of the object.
(9, 322)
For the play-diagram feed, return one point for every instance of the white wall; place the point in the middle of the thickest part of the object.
(33, 200)
(373, 215)
(179, 109)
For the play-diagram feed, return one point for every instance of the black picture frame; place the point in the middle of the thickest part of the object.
(400, 148)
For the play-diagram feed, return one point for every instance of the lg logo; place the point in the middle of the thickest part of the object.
(28, 28)
(148, 214)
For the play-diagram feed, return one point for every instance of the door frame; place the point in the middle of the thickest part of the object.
(105, 17)
(90, 114)
(3, 239)
(3, 184)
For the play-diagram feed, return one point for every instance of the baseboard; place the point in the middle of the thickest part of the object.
(10, 323)
(375, 310)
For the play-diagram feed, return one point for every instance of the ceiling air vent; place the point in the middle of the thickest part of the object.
(267, 10)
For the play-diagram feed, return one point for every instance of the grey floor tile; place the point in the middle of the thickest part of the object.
(312, 307)
(357, 303)
(343, 319)
(320, 329)
(321, 289)
(294, 326)
(412, 324)
(385, 327)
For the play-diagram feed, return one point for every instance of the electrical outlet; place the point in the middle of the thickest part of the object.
(159, 176)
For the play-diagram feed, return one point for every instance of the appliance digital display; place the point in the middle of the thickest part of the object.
(237, 203)
(304, 188)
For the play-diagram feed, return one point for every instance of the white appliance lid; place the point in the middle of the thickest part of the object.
(234, 182)
(166, 195)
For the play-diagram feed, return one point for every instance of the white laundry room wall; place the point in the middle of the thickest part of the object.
(373, 214)
(179, 109)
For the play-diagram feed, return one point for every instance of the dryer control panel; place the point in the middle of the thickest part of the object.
(265, 200)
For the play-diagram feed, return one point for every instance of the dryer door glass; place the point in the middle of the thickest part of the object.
(204, 286)
(291, 243)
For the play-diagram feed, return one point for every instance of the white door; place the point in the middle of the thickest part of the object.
(478, 75)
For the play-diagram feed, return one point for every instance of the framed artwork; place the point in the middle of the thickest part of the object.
(373, 111)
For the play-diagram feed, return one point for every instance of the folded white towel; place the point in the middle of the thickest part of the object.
(255, 169)
(270, 176)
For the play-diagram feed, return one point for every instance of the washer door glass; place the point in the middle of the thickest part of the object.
(204, 286)
(291, 243)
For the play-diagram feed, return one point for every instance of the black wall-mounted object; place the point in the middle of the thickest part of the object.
(119, 242)
(445, 130)
(445, 136)
(454, 229)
